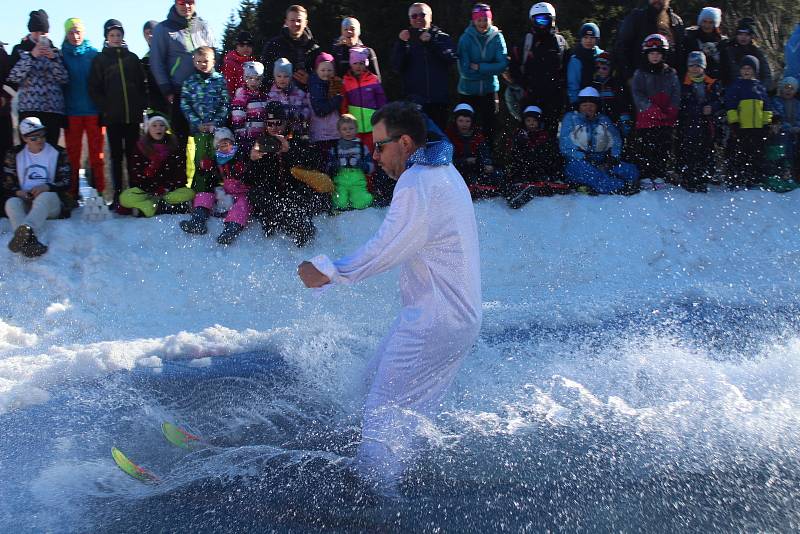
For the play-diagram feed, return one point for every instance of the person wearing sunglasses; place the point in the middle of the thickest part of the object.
(430, 233)
(537, 65)
(656, 17)
(423, 56)
(37, 180)
(174, 42)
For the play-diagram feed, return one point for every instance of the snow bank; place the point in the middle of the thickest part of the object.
(115, 294)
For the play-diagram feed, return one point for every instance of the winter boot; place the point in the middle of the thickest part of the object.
(197, 224)
(32, 248)
(229, 233)
(21, 236)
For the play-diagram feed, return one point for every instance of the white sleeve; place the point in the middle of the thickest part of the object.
(403, 233)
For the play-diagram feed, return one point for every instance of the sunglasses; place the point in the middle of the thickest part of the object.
(417, 15)
(380, 144)
(274, 123)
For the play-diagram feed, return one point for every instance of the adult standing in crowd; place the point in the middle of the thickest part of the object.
(482, 56)
(296, 43)
(537, 65)
(174, 41)
(351, 38)
(792, 55)
(656, 17)
(38, 75)
(82, 114)
(155, 98)
(6, 128)
(423, 55)
(707, 38)
(36, 181)
(744, 45)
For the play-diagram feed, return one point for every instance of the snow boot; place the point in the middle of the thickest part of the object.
(21, 236)
(229, 233)
(197, 224)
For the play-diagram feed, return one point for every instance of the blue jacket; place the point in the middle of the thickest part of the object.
(789, 114)
(792, 54)
(592, 140)
(425, 67)
(489, 52)
(575, 70)
(748, 104)
(174, 40)
(78, 61)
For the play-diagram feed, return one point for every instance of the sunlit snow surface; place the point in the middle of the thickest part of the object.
(638, 370)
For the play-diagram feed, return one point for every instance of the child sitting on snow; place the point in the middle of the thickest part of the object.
(229, 169)
(534, 164)
(350, 163)
(158, 172)
(472, 155)
(247, 107)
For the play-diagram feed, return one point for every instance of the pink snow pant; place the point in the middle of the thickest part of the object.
(240, 211)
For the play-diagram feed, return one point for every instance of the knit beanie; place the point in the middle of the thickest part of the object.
(221, 134)
(790, 81)
(244, 38)
(351, 22)
(590, 29)
(696, 58)
(746, 25)
(112, 24)
(713, 14)
(39, 21)
(359, 54)
(750, 61)
(156, 117)
(253, 69)
(532, 111)
(589, 94)
(464, 110)
(282, 66)
(71, 23)
(322, 58)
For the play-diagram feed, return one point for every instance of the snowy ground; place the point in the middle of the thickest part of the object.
(589, 316)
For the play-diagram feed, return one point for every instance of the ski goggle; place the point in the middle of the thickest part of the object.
(542, 20)
(654, 43)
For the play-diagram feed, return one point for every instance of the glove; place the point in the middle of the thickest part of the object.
(335, 87)
(206, 165)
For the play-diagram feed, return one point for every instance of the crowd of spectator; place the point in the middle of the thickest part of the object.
(280, 137)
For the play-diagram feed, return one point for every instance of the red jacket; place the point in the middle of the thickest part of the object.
(233, 70)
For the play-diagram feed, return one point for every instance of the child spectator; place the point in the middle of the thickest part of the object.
(614, 101)
(233, 64)
(472, 155)
(749, 113)
(350, 163)
(592, 147)
(227, 166)
(279, 201)
(787, 107)
(744, 45)
(534, 164)
(82, 115)
(581, 66)
(158, 172)
(325, 91)
(701, 102)
(657, 96)
(117, 86)
(247, 106)
(204, 103)
(36, 181)
(363, 93)
(295, 101)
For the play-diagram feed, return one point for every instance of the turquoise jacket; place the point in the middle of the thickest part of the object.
(488, 51)
(78, 61)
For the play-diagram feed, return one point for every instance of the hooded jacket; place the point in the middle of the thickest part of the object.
(117, 86)
(174, 40)
(204, 99)
(233, 70)
(39, 81)
(301, 52)
(78, 61)
(425, 66)
(581, 138)
(538, 66)
(747, 104)
(488, 51)
(362, 98)
(159, 173)
(656, 96)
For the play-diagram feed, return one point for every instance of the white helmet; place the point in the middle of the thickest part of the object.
(542, 8)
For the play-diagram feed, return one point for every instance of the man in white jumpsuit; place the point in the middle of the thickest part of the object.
(430, 231)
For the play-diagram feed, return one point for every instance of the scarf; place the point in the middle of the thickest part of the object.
(225, 157)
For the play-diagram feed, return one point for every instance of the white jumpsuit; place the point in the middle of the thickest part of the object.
(430, 231)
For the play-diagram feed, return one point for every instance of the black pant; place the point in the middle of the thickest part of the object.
(746, 167)
(654, 151)
(695, 159)
(53, 122)
(122, 139)
(484, 113)
(178, 123)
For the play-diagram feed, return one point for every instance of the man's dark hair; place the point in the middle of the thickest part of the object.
(403, 118)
